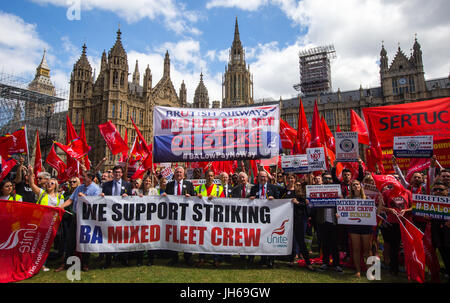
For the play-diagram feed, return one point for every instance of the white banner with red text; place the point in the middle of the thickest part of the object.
(188, 224)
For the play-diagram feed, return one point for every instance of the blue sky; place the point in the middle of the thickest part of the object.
(198, 35)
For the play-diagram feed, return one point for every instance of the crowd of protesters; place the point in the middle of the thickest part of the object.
(336, 244)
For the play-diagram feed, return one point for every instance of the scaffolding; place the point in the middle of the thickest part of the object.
(20, 106)
(315, 70)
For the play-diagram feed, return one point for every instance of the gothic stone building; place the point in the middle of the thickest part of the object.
(402, 81)
(111, 97)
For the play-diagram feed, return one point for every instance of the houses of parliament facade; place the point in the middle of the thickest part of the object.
(112, 97)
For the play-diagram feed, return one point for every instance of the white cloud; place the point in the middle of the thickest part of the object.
(21, 48)
(356, 29)
(175, 15)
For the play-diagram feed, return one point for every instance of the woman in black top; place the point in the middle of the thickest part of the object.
(297, 194)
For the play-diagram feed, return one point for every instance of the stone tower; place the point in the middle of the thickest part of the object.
(201, 98)
(237, 82)
(404, 76)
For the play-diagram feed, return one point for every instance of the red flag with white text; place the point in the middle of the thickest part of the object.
(112, 137)
(357, 125)
(55, 161)
(26, 235)
(303, 133)
(7, 165)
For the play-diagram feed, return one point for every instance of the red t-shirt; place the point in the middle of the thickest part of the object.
(397, 202)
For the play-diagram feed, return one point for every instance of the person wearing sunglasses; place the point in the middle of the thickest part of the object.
(49, 194)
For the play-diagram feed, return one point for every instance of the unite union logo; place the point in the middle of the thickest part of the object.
(277, 237)
(25, 242)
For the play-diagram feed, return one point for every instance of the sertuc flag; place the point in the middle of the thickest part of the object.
(218, 226)
(190, 134)
(26, 236)
(423, 118)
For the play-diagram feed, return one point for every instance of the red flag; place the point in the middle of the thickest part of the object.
(141, 137)
(75, 149)
(412, 239)
(329, 137)
(432, 261)
(7, 165)
(138, 151)
(22, 251)
(287, 135)
(15, 143)
(112, 137)
(124, 156)
(83, 138)
(417, 165)
(338, 128)
(54, 161)
(358, 125)
(72, 164)
(38, 158)
(317, 136)
(388, 180)
(376, 154)
(303, 134)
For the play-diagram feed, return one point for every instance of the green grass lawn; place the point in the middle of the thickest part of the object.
(234, 272)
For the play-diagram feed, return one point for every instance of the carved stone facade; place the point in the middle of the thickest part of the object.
(112, 97)
(402, 81)
(237, 82)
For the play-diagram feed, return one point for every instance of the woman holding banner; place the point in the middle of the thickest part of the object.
(298, 196)
(146, 189)
(360, 235)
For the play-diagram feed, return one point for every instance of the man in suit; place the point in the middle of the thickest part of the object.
(242, 190)
(180, 187)
(117, 187)
(227, 188)
(264, 190)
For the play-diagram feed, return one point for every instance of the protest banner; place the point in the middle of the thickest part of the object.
(356, 212)
(347, 149)
(436, 207)
(196, 225)
(424, 118)
(197, 182)
(316, 159)
(190, 134)
(413, 147)
(26, 235)
(167, 173)
(372, 192)
(295, 164)
(323, 195)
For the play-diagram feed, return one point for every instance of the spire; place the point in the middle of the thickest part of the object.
(117, 49)
(136, 74)
(43, 64)
(167, 65)
(236, 31)
(83, 61)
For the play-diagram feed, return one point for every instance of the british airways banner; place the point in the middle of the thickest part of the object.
(196, 225)
(191, 134)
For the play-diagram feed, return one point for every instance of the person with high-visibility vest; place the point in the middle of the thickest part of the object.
(7, 191)
(209, 190)
(49, 195)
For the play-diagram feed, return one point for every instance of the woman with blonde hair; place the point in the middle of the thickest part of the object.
(360, 235)
(49, 195)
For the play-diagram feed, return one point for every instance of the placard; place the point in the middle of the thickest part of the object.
(191, 134)
(436, 207)
(347, 149)
(316, 159)
(295, 164)
(413, 147)
(356, 212)
(323, 195)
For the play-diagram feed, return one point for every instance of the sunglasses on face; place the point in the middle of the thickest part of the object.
(73, 182)
(51, 183)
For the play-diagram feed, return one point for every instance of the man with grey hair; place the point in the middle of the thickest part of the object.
(242, 190)
(42, 179)
(227, 188)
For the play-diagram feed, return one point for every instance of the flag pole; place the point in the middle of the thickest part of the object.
(28, 149)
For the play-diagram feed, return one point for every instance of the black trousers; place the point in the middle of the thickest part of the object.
(329, 239)
(299, 232)
(72, 243)
(393, 236)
